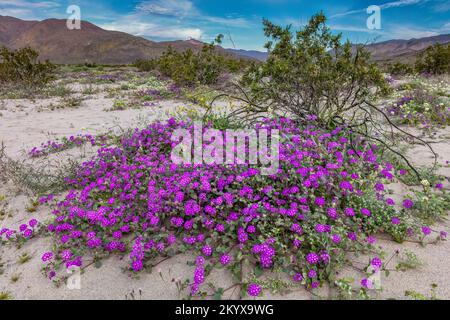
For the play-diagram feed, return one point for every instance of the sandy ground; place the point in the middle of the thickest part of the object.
(25, 124)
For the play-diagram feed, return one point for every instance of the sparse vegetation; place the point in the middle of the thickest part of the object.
(24, 258)
(5, 295)
(15, 278)
(408, 260)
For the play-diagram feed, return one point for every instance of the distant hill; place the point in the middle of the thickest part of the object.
(391, 50)
(404, 50)
(55, 42)
(258, 55)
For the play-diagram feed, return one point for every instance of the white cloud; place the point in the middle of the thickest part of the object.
(27, 10)
(28, 4)
(340, 27)
(408, 32)
(175, 8)
(388, 5)
(146, 29)
(185, 9)
(16, 12)
(401, 3)
(229, 21)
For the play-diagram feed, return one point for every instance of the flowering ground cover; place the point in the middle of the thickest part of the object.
(328, 198)
(421, 102)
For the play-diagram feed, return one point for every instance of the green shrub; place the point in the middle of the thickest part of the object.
(399, 68)
(191, 68)
(434, 60)
(145, 65)
(22, 67)
(311, 73)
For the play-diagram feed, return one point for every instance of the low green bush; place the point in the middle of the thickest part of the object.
(191, 68)
(434, 60)
(22, 67)
(399, 68)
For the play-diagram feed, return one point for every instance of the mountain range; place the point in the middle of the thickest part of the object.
(55, 42)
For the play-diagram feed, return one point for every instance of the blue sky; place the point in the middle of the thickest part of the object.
(240, 20)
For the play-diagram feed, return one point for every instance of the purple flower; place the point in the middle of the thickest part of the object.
(28, 233)
(47, 256)
(336, 238)
(194, 288)
(312, 258)
(408, 203)
(312, 273)
(199, 261)
(298, 277)
(390, 202)
(426, 230)
(33, 223)
(349, 212)
(352, 236)
(366, 283)
(395, 220)
(199, 275)
(66, 255)
(137, 265)
(191, 208)
(295, 227)
(207, 250)
(225, 259)
(366, 212)
(371, 239)
(332, 213)
(320, 202)
(253, 290)
(376, 263)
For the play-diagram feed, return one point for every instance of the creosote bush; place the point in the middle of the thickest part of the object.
(434, 60)
(312, 73)
(398, 68)
(21, 67)
(191, 68)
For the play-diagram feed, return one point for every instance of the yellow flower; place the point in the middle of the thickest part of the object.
(425, 183)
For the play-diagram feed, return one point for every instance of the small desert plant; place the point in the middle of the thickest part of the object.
(15, 278)
(414, 295)
(409, 260)
(4, 295)
(22, 67)
(34, 177)
(24, 258)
